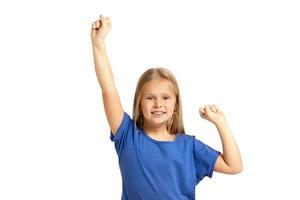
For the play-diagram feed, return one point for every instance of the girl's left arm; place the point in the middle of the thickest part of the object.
(230, 162)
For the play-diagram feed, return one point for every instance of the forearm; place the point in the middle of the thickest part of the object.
(103, 68)
(231, 152)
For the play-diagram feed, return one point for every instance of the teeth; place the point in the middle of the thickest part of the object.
(158, 113)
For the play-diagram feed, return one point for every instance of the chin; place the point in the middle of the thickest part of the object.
(161, 120)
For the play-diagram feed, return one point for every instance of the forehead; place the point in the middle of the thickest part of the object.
(157, 87)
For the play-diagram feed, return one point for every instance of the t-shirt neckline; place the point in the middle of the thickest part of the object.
(158, 141)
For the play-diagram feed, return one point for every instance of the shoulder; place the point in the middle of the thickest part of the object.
(126, 121)
(192, 140)
(126, 126)
(129, 123)
(186, 138)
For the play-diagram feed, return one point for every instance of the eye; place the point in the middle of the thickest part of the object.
(150, 98)
(166, 98)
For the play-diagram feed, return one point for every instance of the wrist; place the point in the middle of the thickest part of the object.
(98, 45)
(221, 122)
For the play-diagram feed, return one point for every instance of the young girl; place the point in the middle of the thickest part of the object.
(156, 158)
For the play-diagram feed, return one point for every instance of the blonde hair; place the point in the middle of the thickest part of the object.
(175, 125)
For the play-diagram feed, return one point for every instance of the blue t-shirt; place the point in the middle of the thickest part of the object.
(167, 170)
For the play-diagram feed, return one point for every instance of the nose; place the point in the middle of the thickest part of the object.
(157, 104)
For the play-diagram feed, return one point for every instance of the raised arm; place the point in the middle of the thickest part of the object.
(111, 100)
(230, 162)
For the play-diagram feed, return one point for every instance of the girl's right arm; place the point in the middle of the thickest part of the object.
(111, 100)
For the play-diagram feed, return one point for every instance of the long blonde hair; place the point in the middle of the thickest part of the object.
(175, 125)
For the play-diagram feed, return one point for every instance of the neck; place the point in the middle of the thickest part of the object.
(159, 133)
(160, 130)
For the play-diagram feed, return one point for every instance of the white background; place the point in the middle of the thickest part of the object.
(240, 55)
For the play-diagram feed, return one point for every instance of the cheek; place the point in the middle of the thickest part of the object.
(171, 106)
(145, 106)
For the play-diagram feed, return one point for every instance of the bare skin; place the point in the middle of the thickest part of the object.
(158, 95)
(230, 162)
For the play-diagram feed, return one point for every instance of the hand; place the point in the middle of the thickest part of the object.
(212, 113)
(100, 28)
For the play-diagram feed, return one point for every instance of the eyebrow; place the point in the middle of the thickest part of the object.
(164, 93)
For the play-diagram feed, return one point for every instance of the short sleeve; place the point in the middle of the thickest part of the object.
(123, 133)
(204, 158)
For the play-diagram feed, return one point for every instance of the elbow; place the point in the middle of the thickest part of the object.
(237, 169)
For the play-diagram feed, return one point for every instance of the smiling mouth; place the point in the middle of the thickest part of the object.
(158, 113)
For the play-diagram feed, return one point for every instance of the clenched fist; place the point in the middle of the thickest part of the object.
(212, 113)
(100, 28)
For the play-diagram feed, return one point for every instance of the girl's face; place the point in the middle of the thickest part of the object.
(158, 102)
